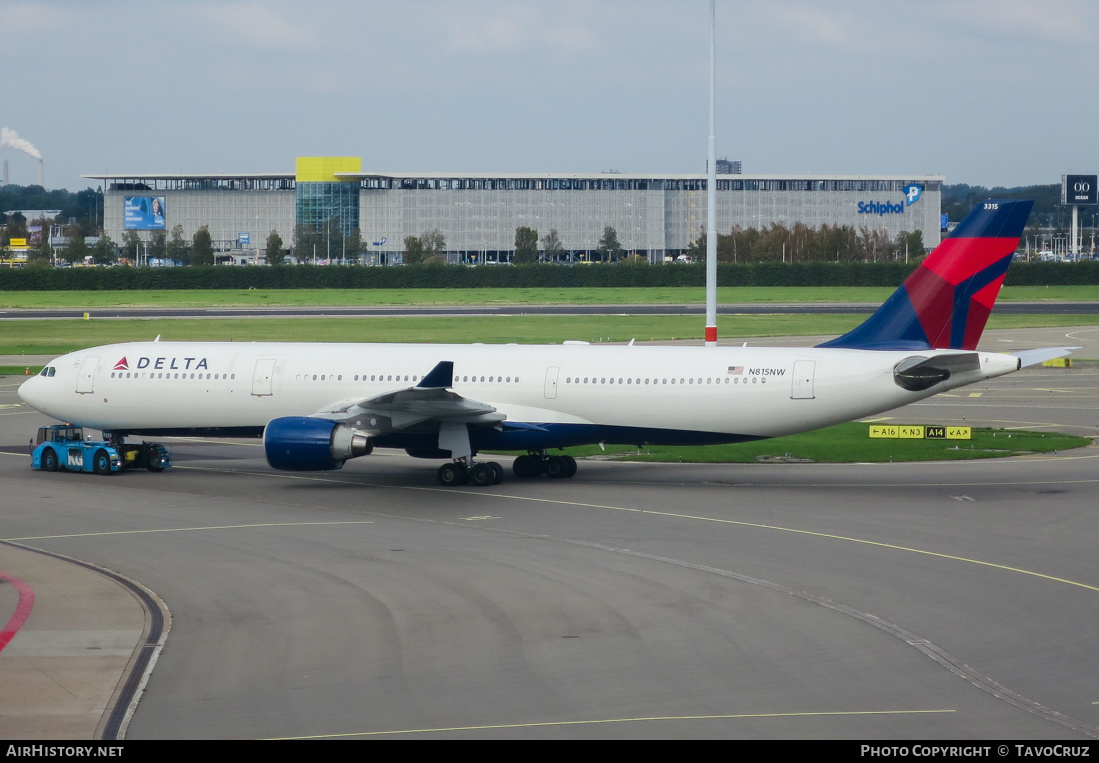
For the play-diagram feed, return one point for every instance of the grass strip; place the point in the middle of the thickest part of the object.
(91, 300)
(848, 443)
(56, 337)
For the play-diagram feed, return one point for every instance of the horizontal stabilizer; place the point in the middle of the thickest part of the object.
(1034, 357)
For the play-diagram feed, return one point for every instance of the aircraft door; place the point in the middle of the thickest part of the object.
(803, 380)
(263, 378)
(551, 382)
(85, 379)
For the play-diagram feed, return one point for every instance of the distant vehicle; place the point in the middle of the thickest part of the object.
(62, 446)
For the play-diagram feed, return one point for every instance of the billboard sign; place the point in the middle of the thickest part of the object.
(143, 213)
(244, 239)
(1078, 189)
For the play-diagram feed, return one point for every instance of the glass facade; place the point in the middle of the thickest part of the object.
(318, 203)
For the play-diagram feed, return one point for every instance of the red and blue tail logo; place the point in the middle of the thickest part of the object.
(946, 301)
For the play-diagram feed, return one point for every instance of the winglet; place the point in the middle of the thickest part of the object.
(442, 375)
(947, 299)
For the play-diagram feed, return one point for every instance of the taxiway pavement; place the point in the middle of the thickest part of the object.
(888, 601)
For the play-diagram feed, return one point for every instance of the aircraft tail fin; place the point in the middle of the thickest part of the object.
(946, 301)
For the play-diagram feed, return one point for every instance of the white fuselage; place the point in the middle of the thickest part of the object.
(669, 392)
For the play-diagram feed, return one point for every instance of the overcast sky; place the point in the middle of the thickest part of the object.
(985, 92)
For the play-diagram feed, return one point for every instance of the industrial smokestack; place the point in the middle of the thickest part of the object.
(41, 173)
(5, 172)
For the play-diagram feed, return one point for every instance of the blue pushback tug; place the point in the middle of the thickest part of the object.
(62, 446)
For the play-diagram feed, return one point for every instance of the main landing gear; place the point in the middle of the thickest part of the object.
(481, 474)
(485, 473)
(535, 464)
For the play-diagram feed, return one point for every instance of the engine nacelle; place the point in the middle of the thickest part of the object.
(304, 444)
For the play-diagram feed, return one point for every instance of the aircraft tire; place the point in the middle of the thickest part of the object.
(527, 467)
(570, 462)
(101, 462)
(49, 460)
(482, 475)
(450, 475)
(556, 467)
(497, 473)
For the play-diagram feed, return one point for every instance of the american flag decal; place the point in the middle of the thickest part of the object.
(736, 370)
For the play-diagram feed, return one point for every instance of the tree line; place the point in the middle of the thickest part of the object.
(104, 251)
(801, 243)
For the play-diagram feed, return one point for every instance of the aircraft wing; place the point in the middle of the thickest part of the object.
(429, 401)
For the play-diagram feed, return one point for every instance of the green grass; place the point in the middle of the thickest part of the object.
(91, 300)
(848, 443)
(55, 337)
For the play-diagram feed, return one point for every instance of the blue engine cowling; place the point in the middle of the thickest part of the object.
(304, 444)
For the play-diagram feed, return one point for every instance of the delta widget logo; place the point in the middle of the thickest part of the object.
(912, 194)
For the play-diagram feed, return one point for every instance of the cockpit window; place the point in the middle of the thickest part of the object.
(47, 371)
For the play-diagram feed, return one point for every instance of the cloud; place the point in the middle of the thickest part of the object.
(511, 27)
(1062, 20)
(255, 25)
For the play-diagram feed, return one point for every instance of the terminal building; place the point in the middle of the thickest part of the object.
(654, 215)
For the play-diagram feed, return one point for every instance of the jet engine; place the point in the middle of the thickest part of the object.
(304, 444)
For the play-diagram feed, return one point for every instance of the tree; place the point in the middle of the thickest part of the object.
(158, 245)
(353, 245)
(609, 249)
(41, 253)
(526, 246)
(434, 243)
(413, 251)
(202, 250)
(552, 247)
(131, 243)
(273, 251)
(176, 250)
(916, 246)
(772, 243)
(307, 241)
(875, 244)
(105, 251)
(76, 250)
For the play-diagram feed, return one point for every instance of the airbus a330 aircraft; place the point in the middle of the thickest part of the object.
(318, 405)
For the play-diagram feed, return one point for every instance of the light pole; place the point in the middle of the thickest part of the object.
(711, 196)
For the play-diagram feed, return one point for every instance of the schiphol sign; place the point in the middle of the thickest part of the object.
(912, 194)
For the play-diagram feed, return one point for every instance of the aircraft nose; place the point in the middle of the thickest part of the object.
(31, 392)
